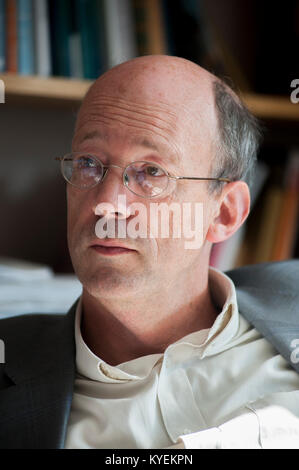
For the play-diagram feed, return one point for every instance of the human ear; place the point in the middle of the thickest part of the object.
(232, 210)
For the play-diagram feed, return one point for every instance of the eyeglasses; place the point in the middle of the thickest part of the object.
(143, 178)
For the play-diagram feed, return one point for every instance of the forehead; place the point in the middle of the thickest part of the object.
(160, 108)
(118, 125)
(111, 138)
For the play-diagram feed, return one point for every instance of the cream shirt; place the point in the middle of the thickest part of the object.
(224, 387)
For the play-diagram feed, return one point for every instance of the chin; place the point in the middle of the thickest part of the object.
(108, 283)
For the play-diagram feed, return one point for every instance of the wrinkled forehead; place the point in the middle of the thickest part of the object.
(171, 85)
(174, 104)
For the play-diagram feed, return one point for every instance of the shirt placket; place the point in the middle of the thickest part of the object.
(180, 412)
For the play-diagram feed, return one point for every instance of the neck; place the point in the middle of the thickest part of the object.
(118, 331)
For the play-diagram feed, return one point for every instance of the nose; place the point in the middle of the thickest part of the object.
(111, 200)
(114, 211)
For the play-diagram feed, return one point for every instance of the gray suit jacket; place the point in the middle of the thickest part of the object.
(37, 379)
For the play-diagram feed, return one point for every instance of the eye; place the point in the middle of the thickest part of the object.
(84, 162)
(152, 170)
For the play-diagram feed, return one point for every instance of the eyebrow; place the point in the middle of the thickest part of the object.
(142, 141)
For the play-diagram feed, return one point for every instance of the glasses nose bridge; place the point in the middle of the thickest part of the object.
(107, 167)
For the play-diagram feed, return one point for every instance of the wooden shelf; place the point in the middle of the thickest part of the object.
(64, 92)
(272, 107)
(34, 89)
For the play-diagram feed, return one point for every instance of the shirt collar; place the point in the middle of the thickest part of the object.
(206, 342)
(91, 366)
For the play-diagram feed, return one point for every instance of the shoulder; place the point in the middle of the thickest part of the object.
(33, 342)
(34, 326)
(17, 329)
(279, 277)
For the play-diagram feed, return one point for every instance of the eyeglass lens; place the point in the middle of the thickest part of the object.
(142, 178)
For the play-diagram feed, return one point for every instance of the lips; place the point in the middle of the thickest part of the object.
(111, 248)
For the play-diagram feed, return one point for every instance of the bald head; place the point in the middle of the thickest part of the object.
(170, 96)
(180, 102)
(158, 78)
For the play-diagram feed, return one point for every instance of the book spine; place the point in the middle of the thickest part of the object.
(60, 27)
(155, 27)
(76, 53)
(139, 10)
(121, 42)
(76, 59)
(269, 219)
(43, 64)
(102, 35)
(88, 18)
(25, 37)
(168, 28)
(2, 36)
(284, 242)
(150, 26)
(11, 36)
(128, 39)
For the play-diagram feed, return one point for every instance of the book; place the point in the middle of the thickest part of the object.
(120, 33)
(155, 27)
(43, 65)
(86, 39)
(183, 27)
(2, 36)
(284, 241)
(150, 27)
(25, 37)
(76, 56)
(229, 47)
(268, 224)
(60, 29)
(75, 43)
(11, 36)
(169, 28)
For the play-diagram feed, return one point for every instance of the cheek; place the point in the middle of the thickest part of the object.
(72, 209)
(79, 213)
(196, 207)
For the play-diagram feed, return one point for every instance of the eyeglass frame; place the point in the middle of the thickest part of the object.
(106, 168)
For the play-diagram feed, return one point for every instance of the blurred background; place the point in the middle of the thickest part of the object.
(51, 50)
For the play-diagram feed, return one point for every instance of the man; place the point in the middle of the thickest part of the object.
(157, 352)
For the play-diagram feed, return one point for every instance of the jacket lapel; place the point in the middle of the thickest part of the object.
(268, 297)
(39, 376)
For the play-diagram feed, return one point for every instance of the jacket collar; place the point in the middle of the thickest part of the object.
(40, 366)
(268, 297)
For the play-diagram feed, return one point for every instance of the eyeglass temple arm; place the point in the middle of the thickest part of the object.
(226, 180)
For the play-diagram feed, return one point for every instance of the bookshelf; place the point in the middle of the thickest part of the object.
(48, 91)
(271, 107)
(230, 39)
(64, 91)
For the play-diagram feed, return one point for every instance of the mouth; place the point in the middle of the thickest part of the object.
(111, 248)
